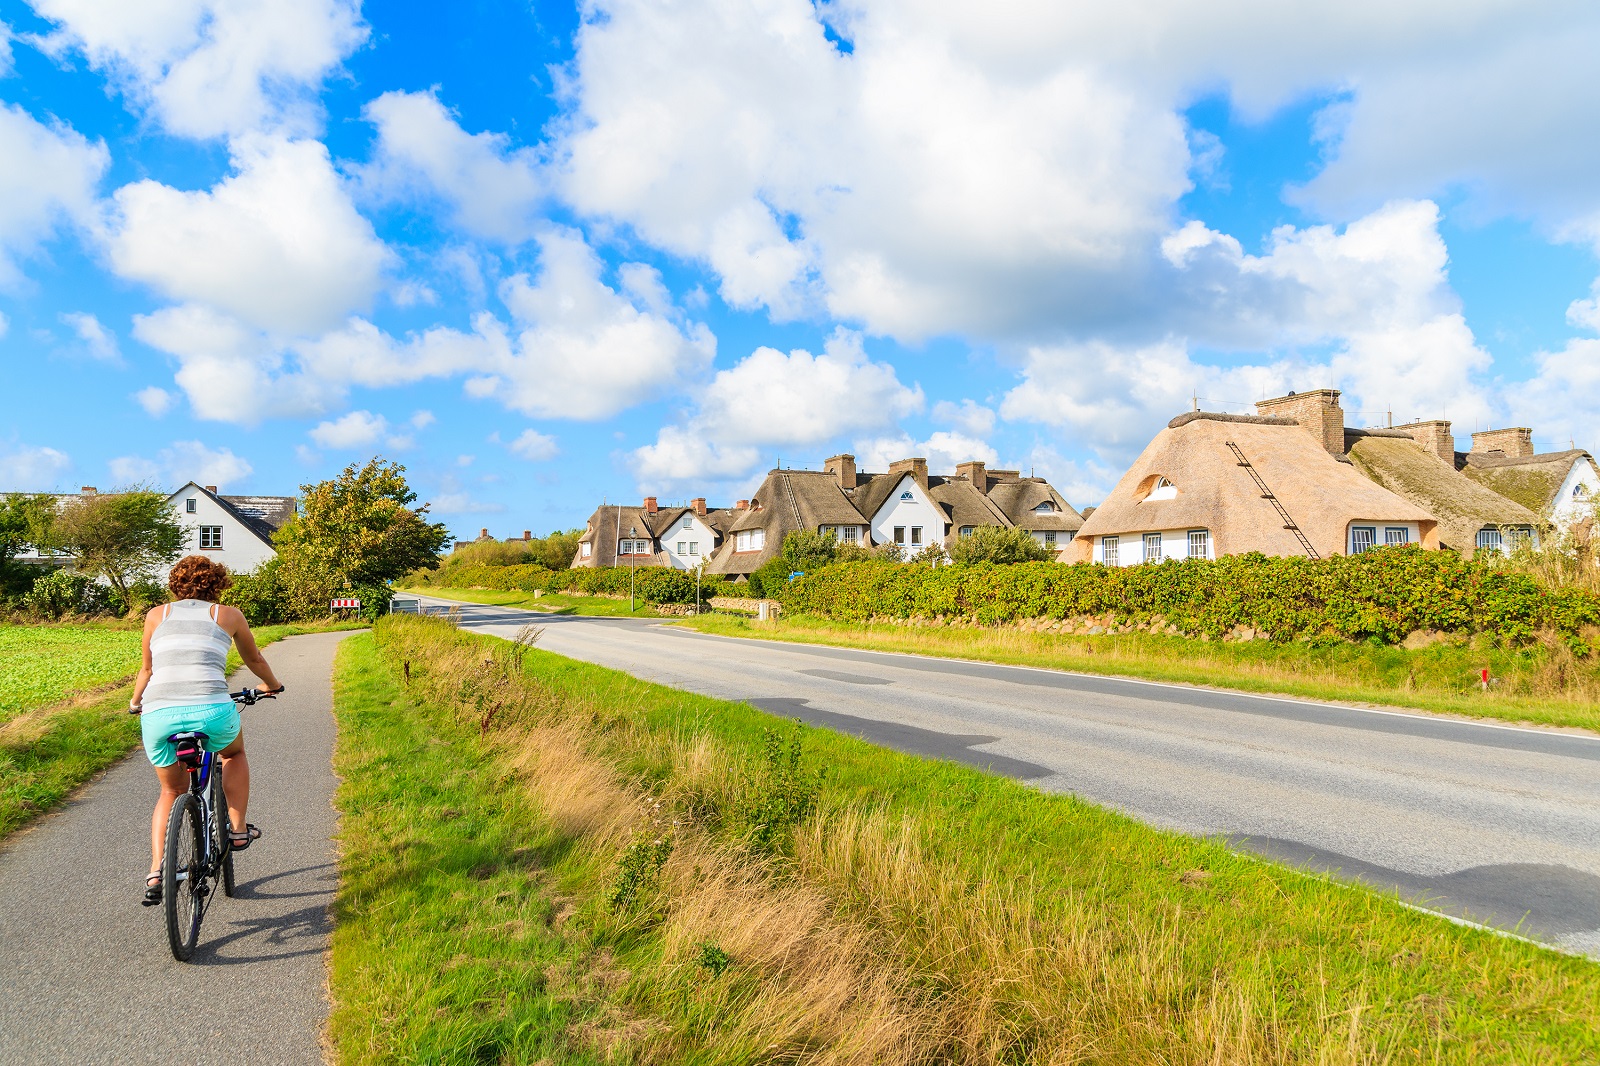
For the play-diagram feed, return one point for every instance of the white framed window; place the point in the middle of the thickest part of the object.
(1108, 551)
(683, 549)
(1045, 508)
(967, 531)
(1152, 547)
(906, 495)
(1489, 540)
(750, 540)
(585, 549)
(1396, 536)
(916, 535)
(850, 534)
(1362, 539)
(1164, 490)
(694, 547)
(1580, 491)
(189, 505)
(1199, 544)
(1050, 539)
(1518, 537)
(210, 537)
(899, 534)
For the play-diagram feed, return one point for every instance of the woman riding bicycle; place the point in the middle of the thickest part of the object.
(183, 685)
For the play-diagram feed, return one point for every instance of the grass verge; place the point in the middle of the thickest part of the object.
(549, 603)
(1440, 678)
(49, 749)
(549, 859)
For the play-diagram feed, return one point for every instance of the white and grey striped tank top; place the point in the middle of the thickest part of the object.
(188, 658)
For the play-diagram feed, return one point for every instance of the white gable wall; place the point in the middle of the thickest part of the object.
(241, 551)
(689, 542)
(1571, 506)
(917, 511)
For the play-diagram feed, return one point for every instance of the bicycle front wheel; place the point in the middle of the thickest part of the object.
(182, 876)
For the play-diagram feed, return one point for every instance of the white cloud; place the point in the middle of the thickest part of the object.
(492, 190)
(206, 68)
(5, 50)
(5, 325)
(943, 450)
(156, 401)
(99, 342)
(422, 419)
(277, 244)
(453, 498)
(969, 417)
(1562, 400)
(48, 176)
(773, 399)
(534, 446)
(32, 468)
(180, 462)
(358, 429)
(1585, 314)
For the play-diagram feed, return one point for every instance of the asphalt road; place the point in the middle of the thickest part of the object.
(86, 975)
(1495, 824)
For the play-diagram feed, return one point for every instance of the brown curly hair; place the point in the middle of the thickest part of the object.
(194, 577)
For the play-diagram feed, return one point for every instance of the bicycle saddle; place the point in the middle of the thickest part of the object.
(189, 745)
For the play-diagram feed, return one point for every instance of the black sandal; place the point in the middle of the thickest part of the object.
(242, 839)
(152, 890)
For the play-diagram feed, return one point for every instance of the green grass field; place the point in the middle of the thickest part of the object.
(599, 606)
(548, 860)
(52, 740)
(43, 664)
(1535, 686)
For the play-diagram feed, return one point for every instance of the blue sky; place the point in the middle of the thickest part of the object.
(546, 254)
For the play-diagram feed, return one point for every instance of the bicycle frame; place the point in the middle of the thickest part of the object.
(210, 818)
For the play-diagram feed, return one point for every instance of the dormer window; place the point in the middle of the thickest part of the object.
(1045, 508)
(1163, 490)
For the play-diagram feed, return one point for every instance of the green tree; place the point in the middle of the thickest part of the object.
(355, 533)
(124, 537)
(997, 544)
(26, 521)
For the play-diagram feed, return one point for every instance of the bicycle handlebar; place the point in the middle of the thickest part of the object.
(251, 695)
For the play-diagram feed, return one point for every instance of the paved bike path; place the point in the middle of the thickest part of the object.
(85, 972)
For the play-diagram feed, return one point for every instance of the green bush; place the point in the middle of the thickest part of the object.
(522, 577)
(259, 595)
(998, 544)
(1380, 595)
(64, 592)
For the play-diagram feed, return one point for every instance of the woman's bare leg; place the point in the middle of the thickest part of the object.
(236, 781)
(174, 783)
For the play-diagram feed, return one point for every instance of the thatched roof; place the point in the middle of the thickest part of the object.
(963, 504)
(1019, 501)
(787, 500)
(611, 522)
(1533, 481)
(1462, 506)
(1322, 495)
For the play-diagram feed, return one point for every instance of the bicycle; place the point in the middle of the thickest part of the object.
(198, 854)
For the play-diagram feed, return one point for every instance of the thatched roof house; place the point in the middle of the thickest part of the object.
(904, 505)
(1559, 487)
(1470, 516)
(1210, 485)
(652, 535)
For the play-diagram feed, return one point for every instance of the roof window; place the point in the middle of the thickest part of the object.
(1047, 507)
(1155, 487)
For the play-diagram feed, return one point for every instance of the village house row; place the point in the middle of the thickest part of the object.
(1289, 480)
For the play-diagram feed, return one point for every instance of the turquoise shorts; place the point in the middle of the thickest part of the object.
(218, 721)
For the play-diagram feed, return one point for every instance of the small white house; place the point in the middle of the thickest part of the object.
(688, 541)
(235, 531)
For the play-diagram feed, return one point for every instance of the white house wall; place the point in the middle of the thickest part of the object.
(697, 538)
(919, 510)
(1569, 506)
(241, 551)
(1130, 546)
(1413, 532)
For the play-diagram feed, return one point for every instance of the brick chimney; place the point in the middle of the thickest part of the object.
(650, 505)
(211, 489)
(975, 472)
(527, 534)
(88, 490)
(741, 505)
(917, 468)
(483, 534)
(1434, 436)
(843, 467)
(1515, 442)
(698, 505)
(1318, 411)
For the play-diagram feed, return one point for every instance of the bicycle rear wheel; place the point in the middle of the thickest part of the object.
(221, 841)
(182, 876)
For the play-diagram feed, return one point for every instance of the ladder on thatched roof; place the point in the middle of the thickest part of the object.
(1272, 498)
(794, 504)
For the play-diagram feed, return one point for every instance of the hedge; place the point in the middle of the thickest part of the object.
(654, 584)
(1379, 595)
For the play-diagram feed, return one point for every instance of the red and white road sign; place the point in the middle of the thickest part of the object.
(350, 604)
